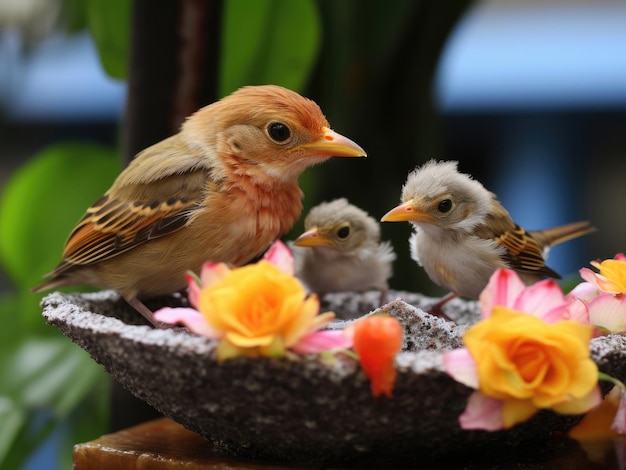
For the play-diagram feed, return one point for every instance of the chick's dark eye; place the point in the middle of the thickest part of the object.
(278, 131)
(343, 232)
(445, 205)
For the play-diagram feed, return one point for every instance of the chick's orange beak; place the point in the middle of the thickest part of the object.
(312, 238)
(333, 144)
(405, 213)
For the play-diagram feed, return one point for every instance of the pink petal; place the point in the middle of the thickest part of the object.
(194, 290)
(619, 423)
(482, 412)
(503, 288)
(608, 312)
(280, 256)
(574, 309)
(321, 341)
(620, 257)
(460, 365)
(601, 282)
(189, 317)
(542, 298)
(556, 314)
(586, 291)
(213, 272)
(588, 275)
(578, 310)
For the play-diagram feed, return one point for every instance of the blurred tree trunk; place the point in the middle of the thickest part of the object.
(374, 81)
(174, 56)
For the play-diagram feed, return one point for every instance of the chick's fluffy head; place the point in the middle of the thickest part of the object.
(438, 181)
(345, 224)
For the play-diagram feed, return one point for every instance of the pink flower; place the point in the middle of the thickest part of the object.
(482, 412)
(320, 341)
(605, 294)
(608, 313)
(612, 276)
(256, 310)
(543, 299)
(513, 359)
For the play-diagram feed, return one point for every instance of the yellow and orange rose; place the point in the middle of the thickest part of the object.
(520, 364)
(261, 310)
(256, 310)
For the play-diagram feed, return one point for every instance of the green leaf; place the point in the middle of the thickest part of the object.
(74, 15)
(12, 420)
(268, 41)
(42, 203)
(41, 376)
(54, 381)
(10, 318)
(109, 22)
(20, 314)
(48, 373)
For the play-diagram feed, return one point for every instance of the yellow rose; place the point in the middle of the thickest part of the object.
(260, 309)
(530, 364)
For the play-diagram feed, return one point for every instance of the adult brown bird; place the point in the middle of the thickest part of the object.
(462, 234)
(222, 189)
(341, 251)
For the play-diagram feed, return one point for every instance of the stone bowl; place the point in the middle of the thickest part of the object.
(309, 409)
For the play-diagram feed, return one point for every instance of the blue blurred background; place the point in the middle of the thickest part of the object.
(530, 95)
(534, 95)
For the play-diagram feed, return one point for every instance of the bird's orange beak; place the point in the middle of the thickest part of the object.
(406, 213)
(312, 238)
(332, 144)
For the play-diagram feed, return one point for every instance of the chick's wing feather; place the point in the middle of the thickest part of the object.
(523, 253)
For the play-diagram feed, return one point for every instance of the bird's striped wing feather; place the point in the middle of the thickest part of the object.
(523, 252)
(112, 226)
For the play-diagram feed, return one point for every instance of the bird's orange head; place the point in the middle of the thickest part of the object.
(267, 130)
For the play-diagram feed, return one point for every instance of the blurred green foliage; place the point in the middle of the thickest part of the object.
(109, 24)
(44, 378)
(44, 200)
(279, 46)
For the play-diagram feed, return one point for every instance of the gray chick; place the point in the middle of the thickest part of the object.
(341, 250)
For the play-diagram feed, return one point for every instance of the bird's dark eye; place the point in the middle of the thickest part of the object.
(278, 131)
(445, 205)
(343, 232)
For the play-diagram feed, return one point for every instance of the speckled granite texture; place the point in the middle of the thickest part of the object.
(305, 409)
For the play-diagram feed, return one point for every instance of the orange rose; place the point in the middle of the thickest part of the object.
(260, 309)
(256, 310)
(529, 364)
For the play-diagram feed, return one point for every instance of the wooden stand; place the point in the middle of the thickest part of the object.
(161, 444)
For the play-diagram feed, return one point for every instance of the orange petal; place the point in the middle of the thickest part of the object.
(377, 340)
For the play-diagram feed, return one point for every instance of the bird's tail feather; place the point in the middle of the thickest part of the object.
(562, 233)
